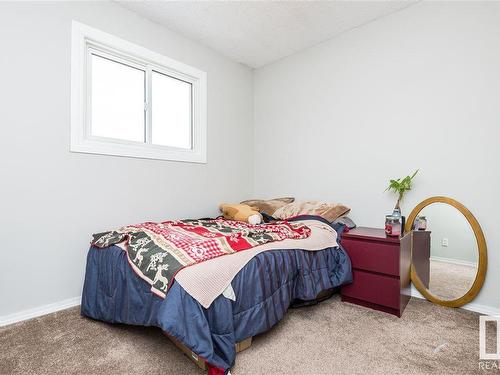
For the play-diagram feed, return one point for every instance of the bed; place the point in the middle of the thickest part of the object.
(263, 289)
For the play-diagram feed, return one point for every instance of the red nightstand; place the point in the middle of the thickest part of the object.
(381, 270)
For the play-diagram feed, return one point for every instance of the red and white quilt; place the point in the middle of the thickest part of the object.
(157, 251)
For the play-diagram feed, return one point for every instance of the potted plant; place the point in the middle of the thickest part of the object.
(400, 187)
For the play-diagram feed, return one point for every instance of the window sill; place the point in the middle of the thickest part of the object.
(143, 151)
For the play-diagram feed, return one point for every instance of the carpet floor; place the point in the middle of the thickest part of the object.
(329, 338)
(450, 281)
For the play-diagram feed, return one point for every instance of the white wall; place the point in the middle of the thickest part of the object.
(51, 200)
(446, 222)
(417, 89)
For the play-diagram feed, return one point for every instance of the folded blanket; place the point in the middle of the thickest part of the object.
(207, 280)
(157, 251)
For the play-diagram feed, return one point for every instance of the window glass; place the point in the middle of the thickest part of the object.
(171, 111)
(117, 96)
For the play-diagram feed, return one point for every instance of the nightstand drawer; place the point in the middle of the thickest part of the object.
(378, 289)
(373, 256)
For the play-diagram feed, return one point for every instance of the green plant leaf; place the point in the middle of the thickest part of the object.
(400, 186)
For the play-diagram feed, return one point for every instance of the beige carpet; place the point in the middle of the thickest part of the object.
(450, 281)
(330, 338)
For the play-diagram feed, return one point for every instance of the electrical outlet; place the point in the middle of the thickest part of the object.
(444, 242)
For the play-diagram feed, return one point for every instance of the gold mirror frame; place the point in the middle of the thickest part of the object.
(481, 245)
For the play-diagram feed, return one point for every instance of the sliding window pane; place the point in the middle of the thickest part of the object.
(117, 100)
(171, 106)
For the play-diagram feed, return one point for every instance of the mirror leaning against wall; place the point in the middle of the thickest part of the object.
(449, 256)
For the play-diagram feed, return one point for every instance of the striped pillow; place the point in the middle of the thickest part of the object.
(328, 211)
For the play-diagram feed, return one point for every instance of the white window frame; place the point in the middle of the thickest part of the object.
(86, 40)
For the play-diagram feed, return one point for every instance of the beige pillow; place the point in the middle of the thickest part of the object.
(268, 206)
(328, 211)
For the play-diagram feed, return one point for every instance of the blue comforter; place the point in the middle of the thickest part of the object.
(264, 290)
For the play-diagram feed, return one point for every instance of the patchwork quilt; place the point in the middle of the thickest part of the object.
(157, 251)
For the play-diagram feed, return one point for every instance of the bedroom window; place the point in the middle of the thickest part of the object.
(129, 101)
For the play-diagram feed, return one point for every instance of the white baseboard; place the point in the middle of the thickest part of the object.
(454, 261)
(471, 306)
(39, 311)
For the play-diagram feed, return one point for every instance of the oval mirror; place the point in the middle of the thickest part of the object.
(448, 251)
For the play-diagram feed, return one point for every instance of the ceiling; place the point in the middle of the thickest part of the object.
(256, 33)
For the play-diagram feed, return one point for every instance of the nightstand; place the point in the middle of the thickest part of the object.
(381, 269)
